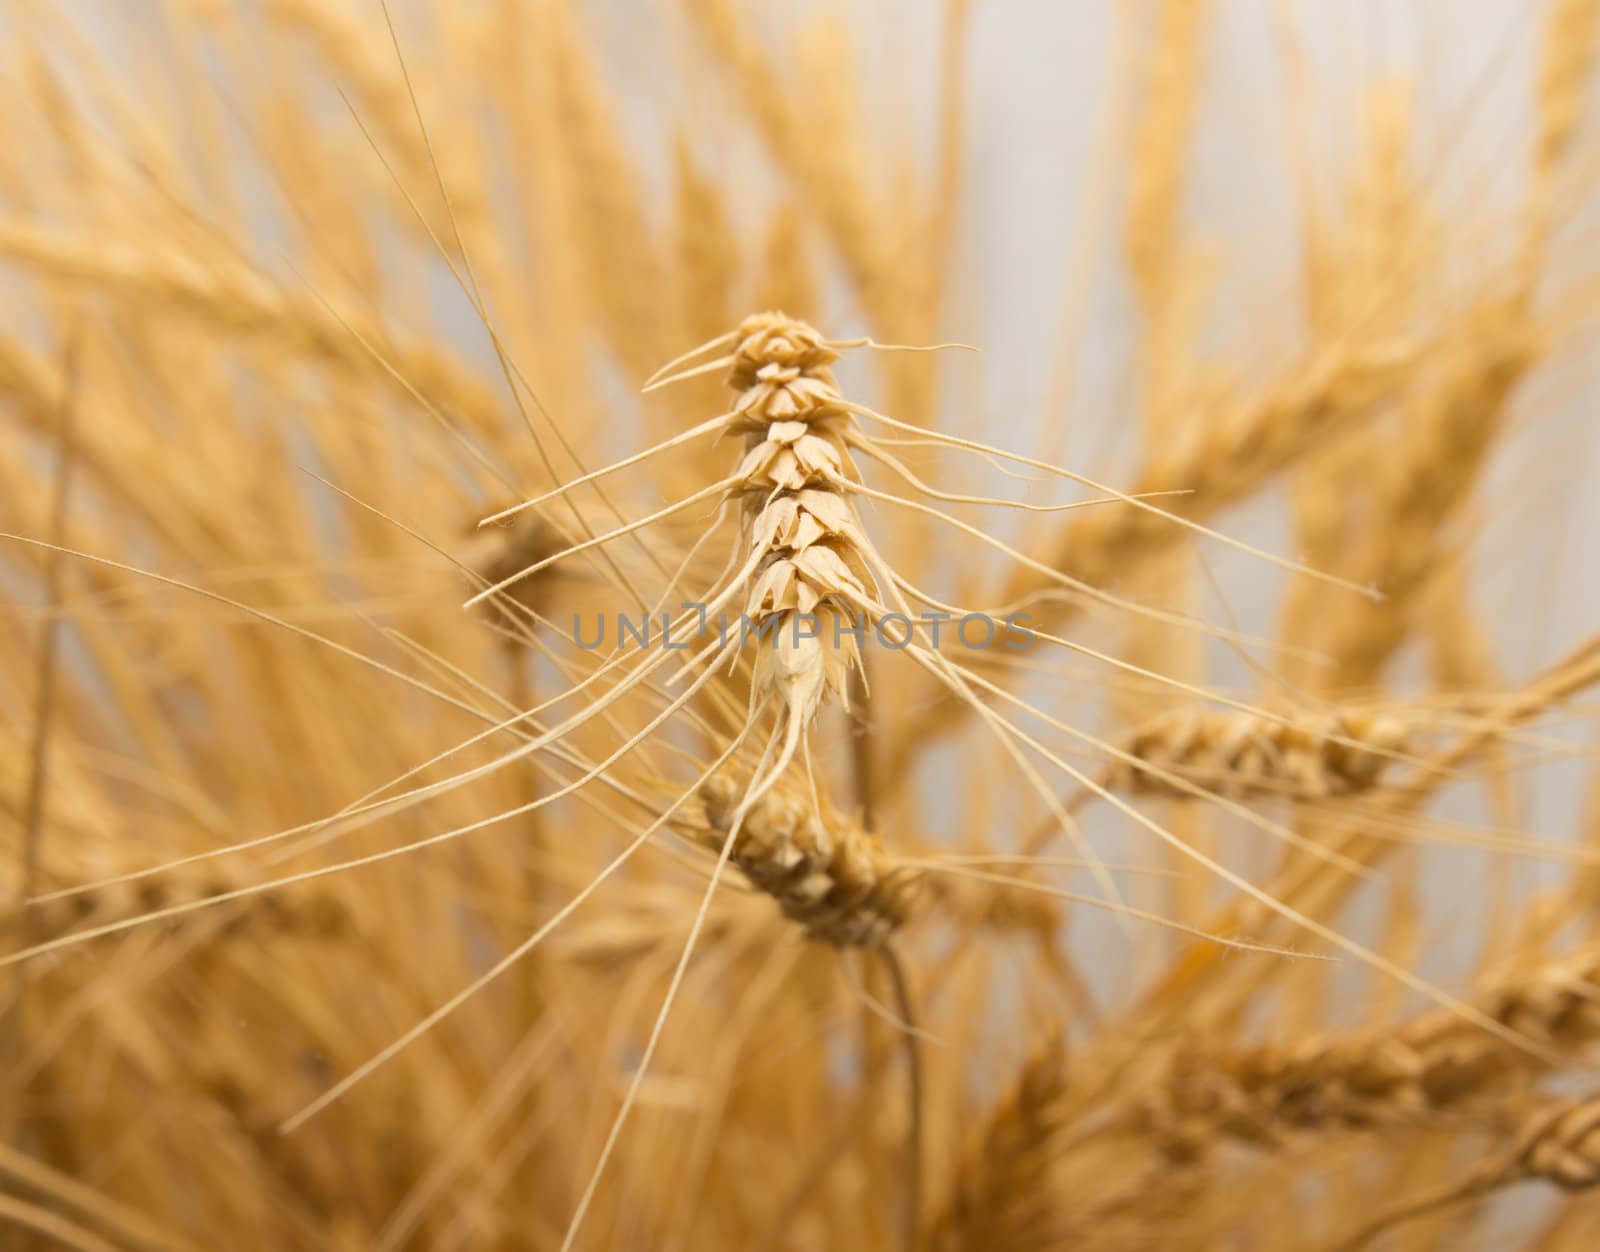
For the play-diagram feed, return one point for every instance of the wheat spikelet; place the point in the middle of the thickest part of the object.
(294, 1171)
(1001, 907)
(1565, 1150)
(499, 553)
(805, 536)
(1265, 1097)
(834, 176)
(706, 250)
(1450, 431)
(361, 61)
(1373, 259)
(1221, 459)
(803, 567)
(1383, 240)
(833, 878)
(359, 54)
(652, 922)
(624, 274)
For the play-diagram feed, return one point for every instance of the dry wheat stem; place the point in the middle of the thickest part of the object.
(12, 1020)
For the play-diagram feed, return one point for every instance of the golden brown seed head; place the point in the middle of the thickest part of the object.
(832, 877)
(777, 340)
(1245, 754)
(803, 528)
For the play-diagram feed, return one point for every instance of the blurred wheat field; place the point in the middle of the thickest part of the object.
(365, 360)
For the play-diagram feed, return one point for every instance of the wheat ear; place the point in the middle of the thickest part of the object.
(1312, 757)
(1560, 1146)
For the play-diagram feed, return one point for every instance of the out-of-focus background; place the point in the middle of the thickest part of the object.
(1319, 276)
